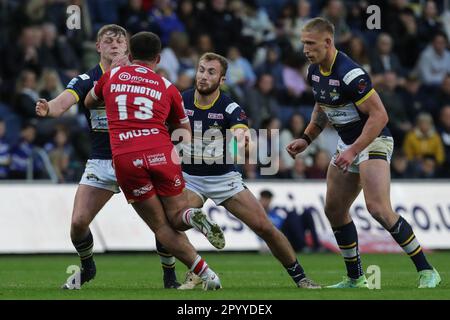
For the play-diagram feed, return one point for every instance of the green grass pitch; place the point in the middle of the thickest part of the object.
(243, 275)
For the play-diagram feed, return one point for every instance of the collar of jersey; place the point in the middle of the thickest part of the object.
(101, 67)
(208, 106)
(326, 74)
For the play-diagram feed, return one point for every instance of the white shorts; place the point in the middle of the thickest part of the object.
(216, 188)
(380, 148)
(100, 174)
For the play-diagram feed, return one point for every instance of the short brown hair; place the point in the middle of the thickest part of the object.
(319, 24)
(211, 56)
(113, 28)
(145, 46)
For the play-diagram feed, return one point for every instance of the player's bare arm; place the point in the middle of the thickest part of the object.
(377, 120)
(91, 100)
(318, 122)
(57, 106)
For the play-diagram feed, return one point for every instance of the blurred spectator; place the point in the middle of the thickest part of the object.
(257, 28)
(135, 19)
(441, 98)
(335, 12)
(268, 147)
(398, 117)
(60, 153)
(57, 53)
(427, 168)
(357, 50)
(294, 130)
(240, 75)
(293, 80)
(5, 151)
(401, 168)
(23, 156)
(434, 62)
(49, 85)
(320, 166)
(429, 23)
(298, 172)
(184, 81)
(25, 54)
(271, 63)
(260, 101)
(383, 59)
(416, 97)
(423, 140)
(407, 44)
(166, 18)
(294, 27)
(172, 55)
(26, 95)
(103, 12)
(215, 19)
(204, 44)
(188, 15)
(293, 225)
(444, 132)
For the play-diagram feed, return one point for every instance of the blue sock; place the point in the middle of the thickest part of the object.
(347, 240)
(405, 237)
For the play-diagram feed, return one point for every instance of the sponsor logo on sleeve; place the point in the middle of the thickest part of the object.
(352, 74)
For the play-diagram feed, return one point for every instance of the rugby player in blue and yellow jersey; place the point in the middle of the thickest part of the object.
(208, 175)
(98, 183)
(344, 97)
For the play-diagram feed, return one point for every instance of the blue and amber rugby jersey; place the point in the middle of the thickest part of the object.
(339, 92)
(209, 149)
(96, 117)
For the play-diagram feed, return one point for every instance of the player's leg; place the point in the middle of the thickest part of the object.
(247, 208)
(342, 190)
(375, 180)
(169, 182)
(88, 202)
(152, 212)
(168, 260)
(182, 217)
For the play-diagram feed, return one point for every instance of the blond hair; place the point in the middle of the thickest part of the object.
(113, 28)
(319, 24)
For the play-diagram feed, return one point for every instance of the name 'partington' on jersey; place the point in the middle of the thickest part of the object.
(136, 89)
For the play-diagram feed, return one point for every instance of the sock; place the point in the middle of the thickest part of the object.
(200, 268)
(84, 248)
(404, 235)
(347, 240)
(186, 216)
(167, 260)
(296, 271)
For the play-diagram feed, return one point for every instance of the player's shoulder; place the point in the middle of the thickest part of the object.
(188, 95)
(348, 70)
(227, 103)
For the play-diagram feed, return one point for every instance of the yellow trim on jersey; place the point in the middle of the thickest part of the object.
(74, 94)
(101, 67)
(239, 125)
(367, 96)
(327, 73)
(208, 106)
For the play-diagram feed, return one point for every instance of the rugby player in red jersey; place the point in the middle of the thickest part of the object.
(138, 104)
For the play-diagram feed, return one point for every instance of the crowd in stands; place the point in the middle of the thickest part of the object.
(408, 60)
